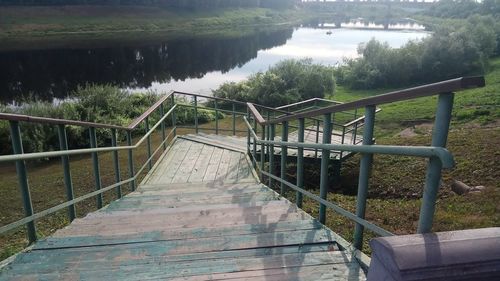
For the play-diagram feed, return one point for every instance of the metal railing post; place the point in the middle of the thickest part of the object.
(234, 119)
(254, 152)
(116, 164)
(284, 154)
(262, 150)
(17, 147)
(216, 118)
(131, 171)
(300, 162)
(148, 143)
(196, 114)
(163, 133)
(63, 145)
(434, 167)
(95, 164)
(272, 133)
(248, 133)
(174, 121)
(364, 175)
(325, 160)
(317, 139)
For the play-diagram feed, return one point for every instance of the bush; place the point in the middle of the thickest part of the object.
(92, 103)
(287, 82)
(446, 54)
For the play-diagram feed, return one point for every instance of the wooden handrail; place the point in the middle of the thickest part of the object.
(447, 86)
(55, 121)
(148, 112)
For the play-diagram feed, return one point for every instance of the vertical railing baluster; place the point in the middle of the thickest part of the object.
(284, 155)
(364, 175)
(196, 114)
(272, 133)
(63, 145)
(234, 119)
(254, 145)
(317, 139)
(262, 148)
(163, 133)
(216, 118)
(300, 162)
(325, 160)
(148, 143)
(174, 121)
(22, 176)
(433, 174)
(248, 133)
(116, 163)
(95, 164)
(131, 171)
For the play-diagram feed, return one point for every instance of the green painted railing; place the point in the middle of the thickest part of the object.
(173, 100)
(437, 154)
(278, 120)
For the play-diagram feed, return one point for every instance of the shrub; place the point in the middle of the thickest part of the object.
(287, 82)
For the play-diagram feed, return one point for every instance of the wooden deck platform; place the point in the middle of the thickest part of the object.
(200, 214)
(240, 143)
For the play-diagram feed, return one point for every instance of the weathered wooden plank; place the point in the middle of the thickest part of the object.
(144, 268)
(223, 165)
(244, 169)
(165, 162)
(173, 166)
(107, 238)
(232, 173)
(187, 164)
(213, 165)
(185, 214)
(349, 272)
(68, 254)
(201, 165)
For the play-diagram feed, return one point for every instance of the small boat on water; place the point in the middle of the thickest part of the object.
(329, 32)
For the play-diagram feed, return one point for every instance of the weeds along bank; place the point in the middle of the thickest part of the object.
(93, 103)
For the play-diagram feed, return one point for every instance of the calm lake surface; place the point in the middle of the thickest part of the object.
(188, 64)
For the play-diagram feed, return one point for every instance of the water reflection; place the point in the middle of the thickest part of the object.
(194, 64)
(49, 74)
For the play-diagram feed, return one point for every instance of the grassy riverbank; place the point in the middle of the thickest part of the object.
(51, 26)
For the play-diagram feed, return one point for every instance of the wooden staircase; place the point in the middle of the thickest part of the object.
(200, 214)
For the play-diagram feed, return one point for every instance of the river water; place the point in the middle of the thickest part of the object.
(196, 64)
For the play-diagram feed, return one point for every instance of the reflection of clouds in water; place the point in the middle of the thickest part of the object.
(305, 42)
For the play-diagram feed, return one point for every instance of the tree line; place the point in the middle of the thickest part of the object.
(163, 3)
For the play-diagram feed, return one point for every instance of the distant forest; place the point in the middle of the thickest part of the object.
(166, 3)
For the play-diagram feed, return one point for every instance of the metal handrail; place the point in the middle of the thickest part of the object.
(448, 86)
(438, 156)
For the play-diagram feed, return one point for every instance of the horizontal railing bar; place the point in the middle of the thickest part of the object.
(150, 110)
(54, 121)
(306, 101)
(52, 154)
(56, 208)
(452, 85)
(377, 229)
(441, 153)
(359, 119)
(62, 206)
(160, 146)
(211, 108)
(211, 129)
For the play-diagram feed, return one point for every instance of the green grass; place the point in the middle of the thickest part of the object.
(481, 105)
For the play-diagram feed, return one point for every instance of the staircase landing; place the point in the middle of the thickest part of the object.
(200, 214)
